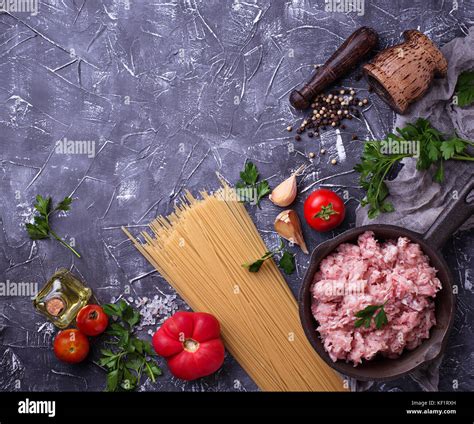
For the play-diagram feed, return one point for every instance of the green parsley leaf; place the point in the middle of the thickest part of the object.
(465, 89)
(112, 380)
(64, 205)
(256, 265)
(262, 190)
(250, 173)
(129, 357)
(287, 260)
(420, 140)
(287, 263)
(43, 205)
(381, 319)
(248, 189)
(41, 228)
(365, 316)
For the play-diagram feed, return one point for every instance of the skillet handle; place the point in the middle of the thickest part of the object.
(449, 220)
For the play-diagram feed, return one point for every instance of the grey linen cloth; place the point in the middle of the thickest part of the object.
(416, 198)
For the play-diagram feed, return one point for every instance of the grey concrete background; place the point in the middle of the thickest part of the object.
(170, 92)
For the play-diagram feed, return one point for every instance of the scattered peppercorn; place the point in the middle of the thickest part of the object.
(330, 109)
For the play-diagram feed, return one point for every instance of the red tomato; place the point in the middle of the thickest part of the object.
(324, 210)
(191, 344)
(71, 346)
(92, 320)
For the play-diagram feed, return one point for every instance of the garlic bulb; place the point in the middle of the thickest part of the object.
(285, 193)
(288, 225)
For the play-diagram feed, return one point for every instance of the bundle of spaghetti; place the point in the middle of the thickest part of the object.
(199, 249)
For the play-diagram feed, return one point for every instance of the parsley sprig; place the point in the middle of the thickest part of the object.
(286, 262)
(130, 356)
(433, 150)
(41, 226)
(465, 89)
(365, 316)
(249, 188)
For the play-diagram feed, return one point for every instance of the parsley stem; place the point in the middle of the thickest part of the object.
(64, 243)
(460, 157)
(150, 371)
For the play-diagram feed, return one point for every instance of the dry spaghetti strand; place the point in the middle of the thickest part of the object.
(200, 249)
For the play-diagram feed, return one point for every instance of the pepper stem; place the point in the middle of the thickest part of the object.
(191, 345)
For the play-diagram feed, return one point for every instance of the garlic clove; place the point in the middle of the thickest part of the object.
(288, 225)
(285, 193)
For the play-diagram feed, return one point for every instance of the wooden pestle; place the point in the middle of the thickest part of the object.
(345, 58)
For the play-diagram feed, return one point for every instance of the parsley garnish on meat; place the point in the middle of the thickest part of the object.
(365, 316)
(432, 149)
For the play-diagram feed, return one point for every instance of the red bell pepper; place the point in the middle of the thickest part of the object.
(191, 344)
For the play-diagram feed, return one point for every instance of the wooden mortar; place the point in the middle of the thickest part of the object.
(402, 74)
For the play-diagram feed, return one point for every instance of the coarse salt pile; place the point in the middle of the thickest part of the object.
(396, 273)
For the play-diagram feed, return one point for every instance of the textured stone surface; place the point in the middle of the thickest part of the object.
(170, 92)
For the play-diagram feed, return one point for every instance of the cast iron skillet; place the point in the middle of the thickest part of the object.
(431, 242)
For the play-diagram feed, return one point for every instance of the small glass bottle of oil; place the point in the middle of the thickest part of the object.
(62, 297)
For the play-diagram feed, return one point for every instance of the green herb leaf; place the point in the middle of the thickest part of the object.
(250, 174)
(43, 205)
(131, 316)
(248, 189)
(111, 309)
(262, 189)
(287, 263)
(129, 380)
(64, 205)
(419, 140)
(40, 228)
(135, 363)
(256, 265)
(36, 232)
(465, 88)
(381, 319)
(130, 355)
(152, 370)
(112, 380)
(365, 316)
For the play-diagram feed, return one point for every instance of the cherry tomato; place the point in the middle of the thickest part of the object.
(92, 320)
(324, 210)
(71, 346)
